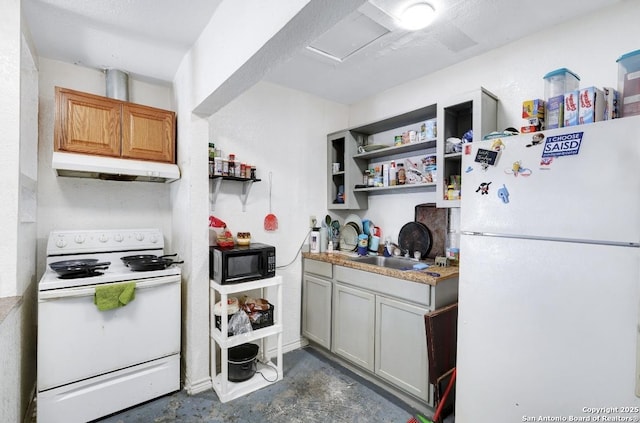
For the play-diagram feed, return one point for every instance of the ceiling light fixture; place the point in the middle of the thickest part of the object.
(417, 16)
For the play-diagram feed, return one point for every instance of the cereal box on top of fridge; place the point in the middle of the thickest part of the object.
(591, 108)
(571, 104)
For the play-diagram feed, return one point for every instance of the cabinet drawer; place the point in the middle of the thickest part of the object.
(320, 268)
(413, 292)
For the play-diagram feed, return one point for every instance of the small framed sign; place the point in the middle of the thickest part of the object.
(487, 157)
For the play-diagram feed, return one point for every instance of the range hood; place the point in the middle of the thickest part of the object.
(111, 168)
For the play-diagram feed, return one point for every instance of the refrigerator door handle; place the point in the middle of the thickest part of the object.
(554, 239)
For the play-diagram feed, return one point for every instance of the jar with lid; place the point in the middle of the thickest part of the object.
(371, 177)
(232, 165)
(402, 176)
(392, 174)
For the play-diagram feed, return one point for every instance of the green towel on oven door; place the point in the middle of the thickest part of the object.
(113, 296)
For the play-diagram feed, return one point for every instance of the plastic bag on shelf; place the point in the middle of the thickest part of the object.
(239, 323)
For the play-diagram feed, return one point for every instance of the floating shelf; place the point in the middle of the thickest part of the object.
(397, 149)
(217, 182)
(397, 187)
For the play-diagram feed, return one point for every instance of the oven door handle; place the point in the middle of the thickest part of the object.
(89, 291)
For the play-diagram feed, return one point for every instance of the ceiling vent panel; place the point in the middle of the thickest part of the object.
(347, 37)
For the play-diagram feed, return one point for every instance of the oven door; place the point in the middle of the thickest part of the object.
(77, 341)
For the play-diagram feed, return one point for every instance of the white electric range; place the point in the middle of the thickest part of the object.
(92, 363)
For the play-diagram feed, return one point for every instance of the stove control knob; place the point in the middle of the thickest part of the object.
(61, 243)
(118, 238)
(103, 238)
(79, 239)
(153, 239)
(139, 236)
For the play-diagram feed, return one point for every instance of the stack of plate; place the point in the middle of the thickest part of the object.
(349, 236)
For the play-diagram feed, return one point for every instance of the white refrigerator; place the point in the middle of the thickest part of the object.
(550, 276)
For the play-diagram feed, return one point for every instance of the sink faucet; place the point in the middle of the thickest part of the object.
(403, 252)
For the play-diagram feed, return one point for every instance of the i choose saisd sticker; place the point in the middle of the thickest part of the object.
(562, 145)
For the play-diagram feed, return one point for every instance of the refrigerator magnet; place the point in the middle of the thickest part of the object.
(497, 145)
(486, 158)
(517, 169)
(483, 188)
(545, 163)
(503, 194)
(536, 139)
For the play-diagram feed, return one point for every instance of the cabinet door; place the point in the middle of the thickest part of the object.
(316, 310)
(401, 346)
(86, 123)
(148, 133)
(353, 325)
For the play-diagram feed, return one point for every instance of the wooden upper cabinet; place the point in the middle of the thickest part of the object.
(148, 133)
(91, 124)
(87, 123)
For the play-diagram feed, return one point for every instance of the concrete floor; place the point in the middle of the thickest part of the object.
(314, 389)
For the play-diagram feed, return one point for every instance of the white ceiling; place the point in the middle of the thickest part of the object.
(149, 38)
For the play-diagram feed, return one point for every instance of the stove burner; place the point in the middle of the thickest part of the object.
(87, 274)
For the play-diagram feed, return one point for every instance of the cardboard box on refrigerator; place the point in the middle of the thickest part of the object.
(533, 109)
(555, 112)
(571, 102)
(591, 107)
(611, 103)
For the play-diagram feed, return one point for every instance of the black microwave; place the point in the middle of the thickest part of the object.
(242, 263)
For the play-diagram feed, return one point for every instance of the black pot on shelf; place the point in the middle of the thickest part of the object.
(242, 362)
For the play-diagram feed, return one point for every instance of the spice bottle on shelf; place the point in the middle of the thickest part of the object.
(371, 177)
(402, 176)
(392, 173)
(232, 165)
(377, 181)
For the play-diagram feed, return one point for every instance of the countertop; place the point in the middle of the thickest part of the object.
(342, 259)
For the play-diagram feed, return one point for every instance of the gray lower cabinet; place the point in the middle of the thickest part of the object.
(354, 325)
(316, 310)
(374, 322)
(401, 346)
(317, 286)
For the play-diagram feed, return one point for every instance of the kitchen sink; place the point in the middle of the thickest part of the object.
(388, 262)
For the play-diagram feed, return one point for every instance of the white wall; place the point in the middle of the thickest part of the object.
(10, 157)
(204, 69)
(589, 46)
(282, 132)
(79, 203)
(18, 118)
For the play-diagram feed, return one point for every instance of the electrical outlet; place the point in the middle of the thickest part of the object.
(313, 221)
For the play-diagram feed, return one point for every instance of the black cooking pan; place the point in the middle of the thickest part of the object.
(415, 236)
(147, 264)
(127, 259)
(78, 267)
